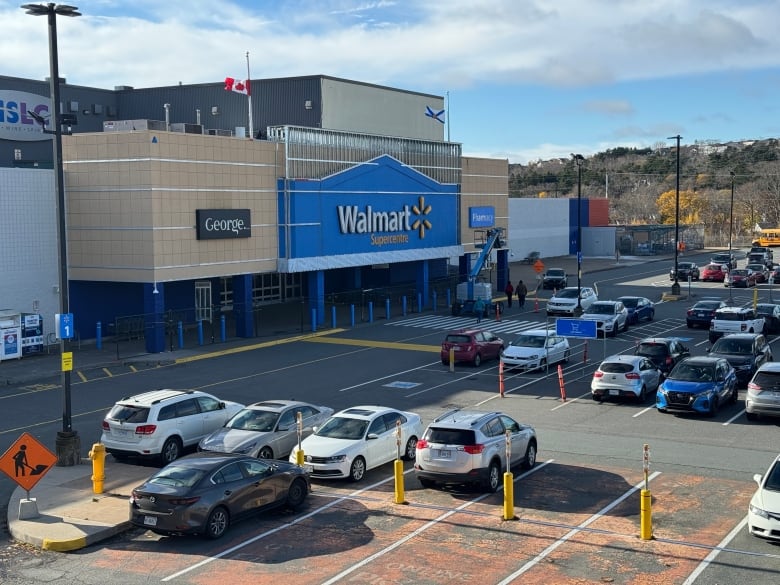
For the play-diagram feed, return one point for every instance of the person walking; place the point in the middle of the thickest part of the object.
(510, 291)
(479, 308)
(521, 291)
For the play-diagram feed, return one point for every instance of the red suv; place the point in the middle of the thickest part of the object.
(472, 346)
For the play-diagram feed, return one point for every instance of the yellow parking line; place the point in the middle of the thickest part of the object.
(82, 376)
(371, 343)
(133, 368)
(306, 337)
(108, 372)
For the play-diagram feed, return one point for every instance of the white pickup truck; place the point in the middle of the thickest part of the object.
(735, 320)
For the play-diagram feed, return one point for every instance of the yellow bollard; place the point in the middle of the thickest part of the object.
(452, 359)
(98, 456)
(646, 516)
(509, 496)
(398, 472)
(299, 458)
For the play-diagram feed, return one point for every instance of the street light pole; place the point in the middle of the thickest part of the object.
(578, 160)
(68, 444)
(731, 231)
(676, 283)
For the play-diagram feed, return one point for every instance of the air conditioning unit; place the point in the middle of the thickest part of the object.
(218, 132)
(130, 125)
(187, 128)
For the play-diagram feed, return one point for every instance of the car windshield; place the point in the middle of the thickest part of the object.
(756, 267)
(529, 341)
(630, 302)
(652, 350)
(765, 309)
(341, 427)
(684, 265)
(129, 413)
(773, 478)
(555, 272)
(767, 380)
(737, 346)
(729, 316)
(713, 267)
(567, 293)
(720, 258)
(739, 273)
(457, 339)
(250, 419)
(709, 305)
(616, 368)
(178, 475)
(601, 309)
(692, 372)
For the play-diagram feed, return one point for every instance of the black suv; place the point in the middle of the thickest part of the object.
(664, 352)
(746, 352)
(555, 278)
(685, 270)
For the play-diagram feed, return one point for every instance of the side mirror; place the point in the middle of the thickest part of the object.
(757, 478)
(372, 436)
(222, 406)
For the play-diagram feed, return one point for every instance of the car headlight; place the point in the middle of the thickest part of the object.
(759, 512)
(534, 356)
(335, 459)
(246, 449)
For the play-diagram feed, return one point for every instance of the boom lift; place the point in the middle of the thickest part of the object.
(465, 295)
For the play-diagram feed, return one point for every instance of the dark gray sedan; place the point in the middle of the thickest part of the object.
(204, 492)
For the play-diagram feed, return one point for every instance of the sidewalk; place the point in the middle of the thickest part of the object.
(70, 516)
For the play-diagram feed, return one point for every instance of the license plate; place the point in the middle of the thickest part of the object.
(455, 348)
(120, 432)
(150, 520)
(444, 453)
(614, 392)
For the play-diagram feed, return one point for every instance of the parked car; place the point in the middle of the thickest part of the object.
(685, 270)
(761, 250)
(469, 447)
(610, 317)
(204, 493)
(625, 375)
(471, 345)
(698, 384)
(357, 439)
(763, 392)
(746, 352)
(555, 278)
(760, 258)
(535, 349)
(774, 275)
(702, 313)
(268, 429)
(741, 277)
(724, 258)
(564, 302)
(735, 320)
(713, 273)
(639, 309)
(771, 314)
(664, 352)
(761, 272)
(764, 509)
(162, 423)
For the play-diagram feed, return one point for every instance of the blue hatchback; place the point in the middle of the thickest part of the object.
(698, 384)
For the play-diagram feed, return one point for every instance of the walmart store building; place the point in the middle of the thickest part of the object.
(172, 211)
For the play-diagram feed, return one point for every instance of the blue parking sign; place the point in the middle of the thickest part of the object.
(64, 325)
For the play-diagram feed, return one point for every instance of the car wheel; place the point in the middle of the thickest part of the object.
(651, 316)
(358, 469)
(542, 365)
(713, 407)
(751, 416)
(689, 324)
(266, 453)
(217, 523)
(734, 395)
(171, 450)
(597, 397)
(493, 477)
(426, 483)
(642, 394)
(411, 449)
(566, 356)
(296, 494)
(445, 362)
(477, 360)
(530, 456)
(625, 326)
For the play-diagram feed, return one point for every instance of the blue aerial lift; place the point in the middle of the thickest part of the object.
(494, 238)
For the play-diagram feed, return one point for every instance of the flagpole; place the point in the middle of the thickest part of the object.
(447, 115)
(249, 95)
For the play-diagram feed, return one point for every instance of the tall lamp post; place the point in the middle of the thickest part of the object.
(578, 160)
(676, 283)
(731, 228)
(68, 443)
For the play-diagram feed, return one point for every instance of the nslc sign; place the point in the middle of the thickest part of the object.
(220, 224)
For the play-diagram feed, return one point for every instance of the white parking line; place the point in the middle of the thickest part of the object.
(530, 564)
(733, 418)
(714, 553)
(644, 410)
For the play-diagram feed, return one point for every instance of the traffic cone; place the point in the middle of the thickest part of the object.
(501, 379)
(536, 303)
(561, 384)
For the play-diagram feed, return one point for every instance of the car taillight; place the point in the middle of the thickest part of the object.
(690, 312)
(598, 374)
(632, 376)
(145, 429)
(753, 386)
(184, 501)
(105, 425)
(668, 360)
(422, 443)
(474, 449)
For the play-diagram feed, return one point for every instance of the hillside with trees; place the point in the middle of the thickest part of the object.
(641, 184)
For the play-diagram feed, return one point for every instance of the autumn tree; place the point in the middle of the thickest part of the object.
(691, 207)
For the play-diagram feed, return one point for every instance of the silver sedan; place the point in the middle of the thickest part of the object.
(625, 375)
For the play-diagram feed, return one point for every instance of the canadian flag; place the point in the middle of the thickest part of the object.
(237, 85)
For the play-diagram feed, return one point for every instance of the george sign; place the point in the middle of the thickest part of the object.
(482, 216)
(222, 224)
(63, 324)
(67, 361)
(27, 461)
(582, 328)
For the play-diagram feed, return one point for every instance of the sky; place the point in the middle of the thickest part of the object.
(523, 80)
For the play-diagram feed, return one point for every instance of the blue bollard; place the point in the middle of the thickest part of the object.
(99, 335)
(387, 308)
(352, 315)
(200, 332)
(333, 316)
(370, 311)
(434, 301)
(222, 329)
(181, 335)
(419, 302)
(314, 320)
(403, 305)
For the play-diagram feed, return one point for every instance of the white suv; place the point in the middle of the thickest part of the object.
(564, 302)
(163, 422)
(469, 446)
(610, 317)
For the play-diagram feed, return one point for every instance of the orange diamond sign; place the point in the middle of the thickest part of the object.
(27, 461)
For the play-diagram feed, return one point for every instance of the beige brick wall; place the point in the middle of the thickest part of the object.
(485, 182)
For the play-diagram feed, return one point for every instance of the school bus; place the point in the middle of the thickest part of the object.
(769, 237)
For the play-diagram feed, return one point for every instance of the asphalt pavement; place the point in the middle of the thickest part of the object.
(63, 513)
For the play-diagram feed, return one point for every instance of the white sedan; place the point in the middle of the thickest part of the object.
(764, 509)
(535, 349)
(358, 439)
